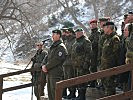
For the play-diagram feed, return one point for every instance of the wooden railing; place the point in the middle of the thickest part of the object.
(98, 75)
(15, 87)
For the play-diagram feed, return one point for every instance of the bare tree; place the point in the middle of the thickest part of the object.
(71, 11)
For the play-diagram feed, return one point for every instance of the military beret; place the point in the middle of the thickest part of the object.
(125, 16)
(70, 29)
(57, 32)
(130, 12)
(108, 23)
(104, 19)
(64, 29)
(93, 21)
(79, 30)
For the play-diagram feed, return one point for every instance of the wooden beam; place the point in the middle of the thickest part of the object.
(122, 96)
(1, 87)
(89, 77)
(17, 87)
(20, 72)
(94, 76)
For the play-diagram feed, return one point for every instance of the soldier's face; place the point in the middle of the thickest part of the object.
(126, 32)
(93, 25)
(55, 37)
(39, 46)
(68, 33)
(101, 24)
(79, 34)
(130, 18)
(105, 28)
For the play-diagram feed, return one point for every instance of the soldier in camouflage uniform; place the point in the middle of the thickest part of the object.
(39, 78)
(102, 37)
(68, 68)
(110, 56)
(56, 57)
(129, 53)
(94, 38)
(81, 57)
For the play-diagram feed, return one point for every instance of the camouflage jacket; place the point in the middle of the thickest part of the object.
(68, 43)
(39, 57)
(129, 44)
(81, 53)
(56, 57)
(110, 51)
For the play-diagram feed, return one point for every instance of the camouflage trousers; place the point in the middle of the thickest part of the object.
(109, 85)
(39, 84)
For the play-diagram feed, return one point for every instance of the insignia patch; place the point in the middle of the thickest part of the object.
(60, 54)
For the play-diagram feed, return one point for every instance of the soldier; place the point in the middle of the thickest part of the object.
(102, 37)
(94, 38)
(56, 57)
(68, 68)
(81, 57)
(39, 78)
(129, 53)
(110, 56)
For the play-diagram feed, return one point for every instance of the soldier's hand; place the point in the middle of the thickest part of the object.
(44, 69)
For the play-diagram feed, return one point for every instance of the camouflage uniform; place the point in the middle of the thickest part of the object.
(102, 38)
(129, 42)
(110, 55)
(56, 56)
(39, 78)
(94, 38)
(81, 56)
(69, 71)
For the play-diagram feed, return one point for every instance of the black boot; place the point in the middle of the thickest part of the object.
(81, 94)
(72, 93)
(64, 93)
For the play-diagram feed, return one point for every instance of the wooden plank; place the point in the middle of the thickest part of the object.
(58, 92)
(1, 87)
(89, 77)
(122, 96)
(131, 82)
(94, 76)
(20, 72)
(17, 87)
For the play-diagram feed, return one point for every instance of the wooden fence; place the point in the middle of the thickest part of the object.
(98, 75)
(15, 87)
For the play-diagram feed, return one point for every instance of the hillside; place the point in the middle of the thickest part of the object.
(18, 42)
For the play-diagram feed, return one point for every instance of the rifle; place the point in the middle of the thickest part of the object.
(27, 65)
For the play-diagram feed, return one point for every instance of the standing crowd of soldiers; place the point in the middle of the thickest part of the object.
(73, 54)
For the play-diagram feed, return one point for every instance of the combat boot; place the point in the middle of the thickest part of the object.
(64, 94)
(81, 95)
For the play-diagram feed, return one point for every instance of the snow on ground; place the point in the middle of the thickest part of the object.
(21, 94)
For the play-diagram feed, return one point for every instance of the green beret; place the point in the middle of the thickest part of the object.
(70, 29)
(104, 19)
(108, 23)
(79, 30)
(64, 29)
(57, 32)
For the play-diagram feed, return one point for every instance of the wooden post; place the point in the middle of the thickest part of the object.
(58, 92)
(131, 82)
(1, 87)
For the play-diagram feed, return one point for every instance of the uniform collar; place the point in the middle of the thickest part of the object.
(56, 43)
(94, 30)
(111, 35)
